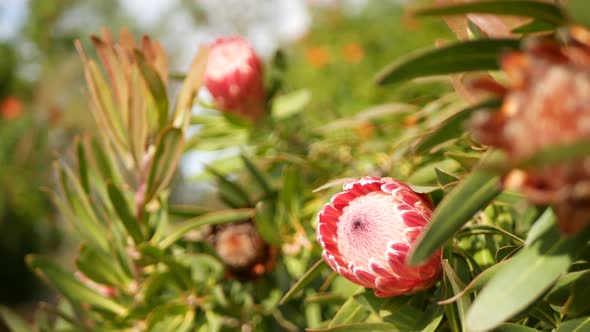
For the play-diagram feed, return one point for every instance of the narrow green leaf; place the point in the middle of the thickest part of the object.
(100, 268)
(453, 58)
(534, 27)
(456, 209)
(83, 166)
(72, 288)
(529, 274)
(562, 289)
(445, 178)
(13, 321)
(451, 128)
(534, 9)
(168, 151)
(464, 302)
(477, 283)
(311, 274)
(358, 327)
(510, 327)
(156, 87)
(230, 192)
(266, 222)
(124, 212)
(213, 218)
(581, 324)
(349, 312)
(259, 177)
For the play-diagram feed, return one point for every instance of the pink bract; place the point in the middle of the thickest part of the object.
(367, 231)
(234, 78)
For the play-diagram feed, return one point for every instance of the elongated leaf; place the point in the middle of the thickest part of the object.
(13, 321)
(311, 274)
(581, 324)
(259, 177)
(100, 268)
(191, 85)
(350, 312)
(359, 327)
(533, 27)
(72, 288)
(534, 9)
(563, 287)
(232, 193)
(509, 327)
(456, 209)
(477, 283)
(451, 128)
(213, 218)
(83, 166)
(293, 103)
(156, 87)
(464, 302)
(266, 223)
(124, 212)
(453, 58)
(525, 277)
(168, 151)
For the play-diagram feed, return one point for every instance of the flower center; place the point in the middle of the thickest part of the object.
(367, 226)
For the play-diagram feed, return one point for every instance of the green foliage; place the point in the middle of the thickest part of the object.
(146, 263)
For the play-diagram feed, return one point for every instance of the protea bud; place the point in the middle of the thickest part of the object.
(546, 103)
(367, 231)
(234, 78)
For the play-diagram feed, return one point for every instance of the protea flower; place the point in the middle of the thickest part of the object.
(234, 78)
(546, 103)
(367, 231)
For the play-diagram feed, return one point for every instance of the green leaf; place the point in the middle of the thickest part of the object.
(72, 288)
(169, 148)
(156, 87)
(464, 302)
(453, 58)
(83, 166)
(477, 283)
(349, 312)
(534, 27)
(124, 212)
(358, 327)
(230, 192)
(213, 218)
(575, 325)
(456, 209)
(13, 321)
(579, 11)
(509, 327)
(563, 288)
(266, 223)
(290, 104)
(100, 268)
(451, 128)
(311, 274)
(259, 177)
(529, 274)
(534, 9)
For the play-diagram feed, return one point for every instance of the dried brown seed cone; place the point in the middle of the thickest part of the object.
(243, 251)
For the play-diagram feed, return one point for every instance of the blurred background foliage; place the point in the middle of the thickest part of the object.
(332, 123)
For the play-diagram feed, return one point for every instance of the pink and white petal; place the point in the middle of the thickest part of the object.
(380, 270)
(329, 211)
(385, 287)
(366, 277)
(411, 234)
(340, 200)
(412, 218)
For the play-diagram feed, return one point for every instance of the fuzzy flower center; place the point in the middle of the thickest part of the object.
(227, 59)
(366, 227)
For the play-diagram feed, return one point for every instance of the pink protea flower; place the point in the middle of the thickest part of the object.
(368, 230)
(234, 78)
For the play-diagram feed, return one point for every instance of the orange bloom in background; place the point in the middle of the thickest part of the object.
(353, 53)
(317, 56)
(11, 108)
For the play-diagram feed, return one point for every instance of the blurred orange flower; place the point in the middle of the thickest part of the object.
(353, 53)
(11, 108)
(317, 56)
